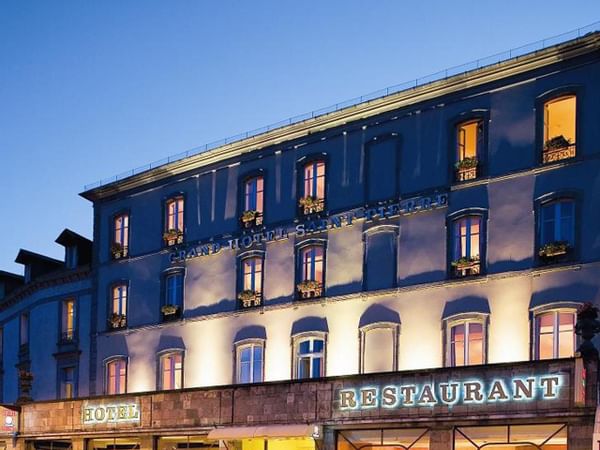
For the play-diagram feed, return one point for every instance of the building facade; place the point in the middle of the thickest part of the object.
(404, 273)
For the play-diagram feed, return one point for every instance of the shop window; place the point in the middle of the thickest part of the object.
(172, 305)
(556, 230)
(252, 279)
(171, 370)
(466, 246)
(116, 376)
(309, 357)
(114, 444)
(555, 334)
(559, 129)
(67, 382)
(49, 445)
(513, 437)
(184, 442)
(312, 259)
(313, 193)
(250, 362)
(466, 343)
(68, 320)
(174, 226)
(118, 306)
(374, 439)
(253, 202)
(469, 140)
(120, 243)
(379, 348)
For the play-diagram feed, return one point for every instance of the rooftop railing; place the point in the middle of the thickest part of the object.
(376, 95)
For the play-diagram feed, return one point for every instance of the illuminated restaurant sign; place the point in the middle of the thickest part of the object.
(114, 413)
(450, 393)
(310, 227)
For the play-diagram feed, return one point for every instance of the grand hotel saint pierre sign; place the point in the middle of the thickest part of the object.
(310, 227)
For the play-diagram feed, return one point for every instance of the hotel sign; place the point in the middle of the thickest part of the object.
(310, 227)
(113, 413)
(522, 389)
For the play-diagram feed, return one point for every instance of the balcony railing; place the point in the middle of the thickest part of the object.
(251, 219)
(117, 321)
(249, 299)
(309, 289)
(464, 267)
(551, 155)
(173, 237)
(466, 173)
(67, 337)
(119, 251)
(311, 205)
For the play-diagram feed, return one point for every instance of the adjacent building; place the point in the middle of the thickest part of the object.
(403, 273)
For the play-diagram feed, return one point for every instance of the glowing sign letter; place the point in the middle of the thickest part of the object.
(549, 384)
(522, 391)
(427, 396)
(449, 392)
(389, 396)
(497, 391)
(347, 399)
(407, 393)
(473, 391)
(368, 398)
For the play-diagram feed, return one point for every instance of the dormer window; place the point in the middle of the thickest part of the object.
(27, 273)
(174, 226)
(253, 202)
(313, 194)
(71, 257)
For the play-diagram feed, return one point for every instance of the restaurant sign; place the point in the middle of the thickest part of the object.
(110, 413)
(546, 387)
(311, 227)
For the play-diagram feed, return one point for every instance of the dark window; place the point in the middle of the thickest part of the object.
(172, 306)
(382, 163)
(380, 260)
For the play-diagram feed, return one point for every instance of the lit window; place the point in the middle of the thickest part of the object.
(313, 199)
(466, 344)
(466, 250)
(310, 358)
(559, 129)
(116, 376)
(174, 221)
(24, 332)
(250, 362)
(546, 436)
(311, 271)
(67, 382)
(171, 370)
(252, 269)
(469, 136)
(254, 194)
(173, 301)
(68, 320)
(557, 228)
(120, 245)
(555, 334)
(118, 317)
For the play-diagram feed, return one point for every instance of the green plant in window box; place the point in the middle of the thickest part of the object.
(467, 163)
(117, 320)
(557, 143)
(249, 216)
(465, 262)
(552, 249)
(117, 250)
(311, 204)
(248, 297)
(308, 287)
(169, 310)
(173, 236)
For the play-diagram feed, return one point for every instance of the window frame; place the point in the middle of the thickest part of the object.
(238, 347)
(299, 277)
(540, 120)
(464, 319)
(365, 329)
(74, 332)
(180, 238)
(475, 115)
(241, 259)
(110, 303)
(165, 276)
(301, 165)
(160, 356)
(451, 221)
(303, 337)
(554, 308)
(564, 195)
(113, 233)
(107, 362)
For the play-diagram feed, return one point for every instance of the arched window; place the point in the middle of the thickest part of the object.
(313, 195)
(309, 356)
(312, 265)
(116, 376)
(554, 333)
(174, 221)
(171, 370)
(252, 279)
(469, 140)
(560, 127)
(379, 347)
(466, 245)
(250, 361)
(466, 344)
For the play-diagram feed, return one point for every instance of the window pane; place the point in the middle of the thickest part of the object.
(303, 368)
(318, 345)
(257, 364)
(457, 345)
(561, 118)
(304, 347)
(316, 372)
(475, 343)
(566, 335)
(468, 136)
(378, 353)
(546, 346)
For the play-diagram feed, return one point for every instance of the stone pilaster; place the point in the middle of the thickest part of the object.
(580, 437)
(440, 439)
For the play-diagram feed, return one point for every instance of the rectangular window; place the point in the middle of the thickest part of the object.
(120, 246)
(555, 334)
(24, 329)
(311, 271)
(313, 200)
(511, 437)
(250, 363)
(116, 376)
(67, 382)
(558, 219)
(254, 194)
(175, 214)
(559, 129)
(469, 137)
(466, 344)
(310, 358)
(174, 289)
(467, 246)
(253, 274)
(379, 349)
(171, 367)
(68, 320)
(118, 317)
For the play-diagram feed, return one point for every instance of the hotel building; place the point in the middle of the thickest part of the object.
(403, 273)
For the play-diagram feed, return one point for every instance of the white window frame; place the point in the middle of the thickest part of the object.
(239, 347)
(161, 367)
(554, 309)
(464, 319)
(107, 362)
(309, 336)
(364, 330)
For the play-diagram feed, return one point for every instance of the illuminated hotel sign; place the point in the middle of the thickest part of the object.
(403, 208)
(117, 413)
(544, 387)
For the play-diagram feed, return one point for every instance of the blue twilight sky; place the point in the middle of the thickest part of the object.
(89, 89)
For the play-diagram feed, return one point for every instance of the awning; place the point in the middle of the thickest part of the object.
(265, 432)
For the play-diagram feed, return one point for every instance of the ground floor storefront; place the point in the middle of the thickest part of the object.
(543, 405)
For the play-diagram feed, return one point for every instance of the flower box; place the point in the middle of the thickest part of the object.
(118, 251)
(117, 321)
(251, 218)
(554, 249)
(311, 204)
(466, 266)
(173, 236)
(249, 298)
(557, 149)
(169, 310)
(310, 289)
(466, 169)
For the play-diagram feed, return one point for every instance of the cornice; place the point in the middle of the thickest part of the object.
(467, 80)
